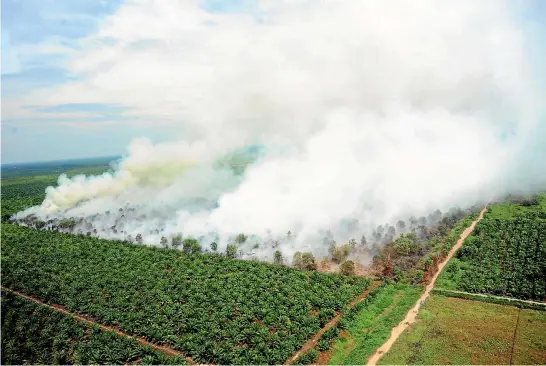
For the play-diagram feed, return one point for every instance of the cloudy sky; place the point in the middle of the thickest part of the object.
(82, 78)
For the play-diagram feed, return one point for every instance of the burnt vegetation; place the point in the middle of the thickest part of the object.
(399, 251)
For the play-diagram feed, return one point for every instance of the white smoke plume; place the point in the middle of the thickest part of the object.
(366, 110)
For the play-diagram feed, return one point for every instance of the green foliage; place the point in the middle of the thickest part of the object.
(20, 193)
(330, 334)
(25, 186)
(325, 340)
(191, 246)
(347, 268)
(177, 241)
(308, 358)
(231, 251)
(414, 276)
(323, 345)
(214, 246)
(308, 261)
(13, 205)
(505, 257)
(516, 206)
(11, 190)
(406, 244)
(297, 261)
(277, 257)
(324, 316)
(205, 305)
(241, 238)
(304, 261)
(340, 253)
(36, 334)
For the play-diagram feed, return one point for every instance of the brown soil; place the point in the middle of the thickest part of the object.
(311, 343)
(429, 274)
(412, 314)
(324, 357)
(84, 318)
(327, 265)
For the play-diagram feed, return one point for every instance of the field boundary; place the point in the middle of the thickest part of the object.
(514, 339)
(168, 351)
(412, 314)
(312, 342)
(501, 300)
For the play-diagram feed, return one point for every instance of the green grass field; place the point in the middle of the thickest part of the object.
(459, 331)
(530, 344)
(509, 210)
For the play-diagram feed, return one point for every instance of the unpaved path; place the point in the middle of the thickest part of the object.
(166, 350)
(311, 343)
(412, 314)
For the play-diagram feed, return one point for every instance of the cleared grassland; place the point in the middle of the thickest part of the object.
(510, 210)
(459, 331)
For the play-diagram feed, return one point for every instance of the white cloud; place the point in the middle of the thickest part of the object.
(304, 59)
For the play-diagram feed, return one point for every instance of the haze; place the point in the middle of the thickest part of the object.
(365, 110)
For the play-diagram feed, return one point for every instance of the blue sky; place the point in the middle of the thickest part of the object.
(28, 25)
(37, 39)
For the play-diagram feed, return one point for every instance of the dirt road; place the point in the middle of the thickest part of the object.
(412, 314)
(166, 350)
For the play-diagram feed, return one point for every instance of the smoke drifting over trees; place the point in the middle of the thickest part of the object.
(367, 113)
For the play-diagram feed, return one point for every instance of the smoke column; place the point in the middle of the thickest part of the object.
(364, 110)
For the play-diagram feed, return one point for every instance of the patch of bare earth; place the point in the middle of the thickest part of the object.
(326, 265)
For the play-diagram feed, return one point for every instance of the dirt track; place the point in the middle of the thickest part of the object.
(166, 350)
(311, 343)
(412, 314)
